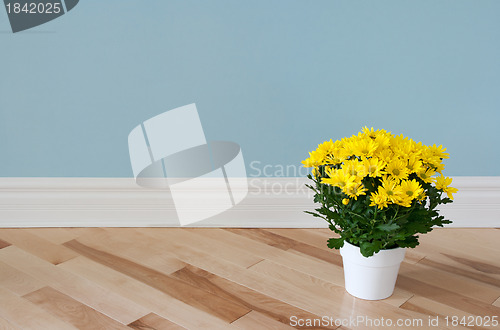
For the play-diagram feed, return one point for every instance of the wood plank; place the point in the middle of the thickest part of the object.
(158, 244)
(154, 322)
(3, 244)
(325, 232)
(412, 256)
(6, 325)
(295, 279)
(255, 320)
(191, 295)
(446, 264)
(333, 302)
(35, 245)
(437, 251)
(331, 256)
(447, 297)
(312, 238)
(54, 235)
(271, 274)
(483, 267)
(450, 281)
(109, 240)
(17, 281)
(156, 301)
(435, 310)
(26, 315)
(438, 241)
(318, 240)
(477, 239)
(283, 273)
(71, 311)
(265, 237)
(256, 301)
(290, 258)
(233, 254)
(330, 301)
(99, 298)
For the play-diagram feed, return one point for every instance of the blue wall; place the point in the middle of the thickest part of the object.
(276, 76)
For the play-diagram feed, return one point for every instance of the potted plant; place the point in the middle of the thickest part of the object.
(377, 191)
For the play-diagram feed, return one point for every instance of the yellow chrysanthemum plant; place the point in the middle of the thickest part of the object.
(378, 190)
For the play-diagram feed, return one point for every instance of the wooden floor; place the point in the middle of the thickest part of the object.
(165, 278)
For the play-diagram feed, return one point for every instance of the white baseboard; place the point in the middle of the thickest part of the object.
(271, 202)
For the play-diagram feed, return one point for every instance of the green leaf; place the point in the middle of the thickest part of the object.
(388, 227)
(314, 214)
(409, 242)
(368, 249)
(335, 243)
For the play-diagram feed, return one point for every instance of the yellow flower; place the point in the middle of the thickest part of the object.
(386, 155)
(344, 150)
(338, 178)
(354, 190)
(422, 196)
(340, 152)
(391, 189)
(403, 147)
(433, 156)
(411, 189)
(378, 199)
(321, 156)
(438, 152)
(426, 175)
(327, 148)
(414, 164)
(355, 169)
(316, 158)
(397, 169)
(442, 183)
(397, 142)
(373, 167)
(439, 167)
(371, 133)
(363, 147)
(383, 141)
(345, 201)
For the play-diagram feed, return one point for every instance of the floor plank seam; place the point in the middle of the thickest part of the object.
(241, 316)
(258, 262)
(404, 302)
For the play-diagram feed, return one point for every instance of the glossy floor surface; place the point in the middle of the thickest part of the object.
(174, 278)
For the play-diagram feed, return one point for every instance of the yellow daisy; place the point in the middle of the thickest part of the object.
(373, 166)
(411, 189)
(442, 183)
(386, 155)
(414, 164)
(354, 190)
(426, 175)
(438, 151)
(316, 158)
(354, 168)
(338, 178)
(397, 169)
(364, 147)
(378, 199)
(391, 189)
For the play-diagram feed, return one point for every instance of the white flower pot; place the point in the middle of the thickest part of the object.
(371, 278)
